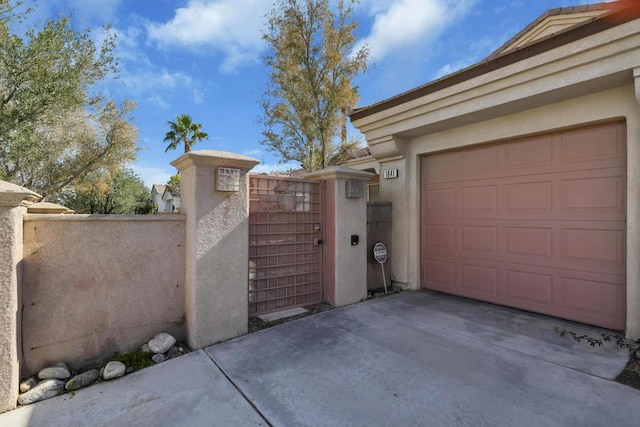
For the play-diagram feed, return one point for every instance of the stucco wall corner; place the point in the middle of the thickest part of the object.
(10, 257)
(636, 78)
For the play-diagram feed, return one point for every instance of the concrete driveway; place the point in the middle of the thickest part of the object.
(415, 358)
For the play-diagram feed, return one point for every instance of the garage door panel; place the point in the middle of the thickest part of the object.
(440, 236)
(530, 241)
(592, 247)
(538, 224)
(600, 298)
(441, 274)
(594, 146)
(479, 238)
(594, 299)
(442, 167)
(529, 196)
(440, 201)
(580, 245)
(599, 192)
(530, 153)
(476, 199)
(591, 148)
(478, 280)
(478, 160)
(528, 290)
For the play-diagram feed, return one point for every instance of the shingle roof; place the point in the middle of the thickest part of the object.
(158, 187)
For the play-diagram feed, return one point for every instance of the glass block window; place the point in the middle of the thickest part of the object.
(228, 179)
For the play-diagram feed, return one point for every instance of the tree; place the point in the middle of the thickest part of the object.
(310, 91)
(184, 130)
(54, 134)
(173, 185)
(125, 194)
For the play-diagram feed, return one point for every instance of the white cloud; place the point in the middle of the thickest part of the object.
(153, 175)
(198, 96)
(143, 81)
(406, 23)
(158, 101)
(230, 27)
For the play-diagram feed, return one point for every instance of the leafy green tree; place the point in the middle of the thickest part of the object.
(184, 131)
(54, 133)
(125, 194)
(173, 185)
(310, 91)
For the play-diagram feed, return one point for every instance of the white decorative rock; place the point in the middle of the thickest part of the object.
(27, 385)
(162, 342)
(82, 380)
(145, 348)
(44, 390)
(54, 373)
(158, 358)
(114, 369)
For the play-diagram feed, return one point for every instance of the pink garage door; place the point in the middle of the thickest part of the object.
(536, 223)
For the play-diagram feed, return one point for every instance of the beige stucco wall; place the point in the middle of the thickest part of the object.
(94, 285)
(10, 256)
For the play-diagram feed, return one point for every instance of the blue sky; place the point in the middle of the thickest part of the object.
(203, 58)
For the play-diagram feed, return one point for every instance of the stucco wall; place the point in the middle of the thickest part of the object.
(94, 285)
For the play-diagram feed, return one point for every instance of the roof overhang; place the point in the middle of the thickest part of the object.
(594, 56)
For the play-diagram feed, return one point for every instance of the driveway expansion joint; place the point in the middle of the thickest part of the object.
(239, 390)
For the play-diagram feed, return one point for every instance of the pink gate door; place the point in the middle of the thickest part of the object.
(285, 243)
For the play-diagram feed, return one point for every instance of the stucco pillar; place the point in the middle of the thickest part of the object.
(401, 191)
(633, 213)
(345, 273)
(217, 244)
(13, 205)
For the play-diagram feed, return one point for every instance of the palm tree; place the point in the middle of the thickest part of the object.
(184, 130)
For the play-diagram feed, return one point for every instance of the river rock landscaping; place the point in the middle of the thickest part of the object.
(58, 379)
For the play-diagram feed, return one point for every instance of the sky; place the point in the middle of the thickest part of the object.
(204, 58)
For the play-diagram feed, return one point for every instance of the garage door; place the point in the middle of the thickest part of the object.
(536, 223)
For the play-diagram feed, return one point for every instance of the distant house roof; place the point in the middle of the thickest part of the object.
(171, 193)
(159, 188)
(594, 18)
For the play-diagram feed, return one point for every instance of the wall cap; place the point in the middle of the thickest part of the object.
(14, 195)
(339, 172)
(104, 217)
(214, 158)
(48, 208)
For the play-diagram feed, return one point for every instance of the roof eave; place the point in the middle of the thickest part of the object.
(627, 12)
